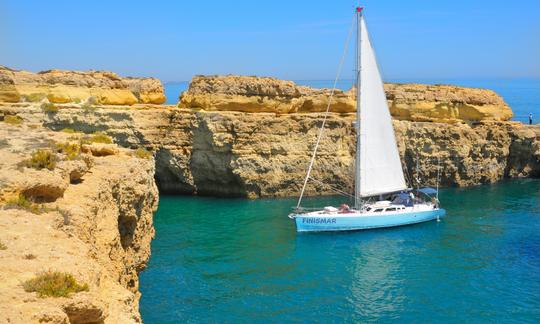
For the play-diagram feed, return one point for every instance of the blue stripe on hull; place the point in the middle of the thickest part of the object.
(339, 223)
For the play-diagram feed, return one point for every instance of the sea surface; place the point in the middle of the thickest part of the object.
(522, 94)
(241, 261)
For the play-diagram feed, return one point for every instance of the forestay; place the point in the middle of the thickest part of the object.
(380, 165)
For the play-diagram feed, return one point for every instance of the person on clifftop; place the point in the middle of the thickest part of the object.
(530, 118)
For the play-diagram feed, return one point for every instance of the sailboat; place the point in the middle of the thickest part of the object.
(381, 195)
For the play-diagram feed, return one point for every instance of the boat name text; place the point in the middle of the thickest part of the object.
(319, 220)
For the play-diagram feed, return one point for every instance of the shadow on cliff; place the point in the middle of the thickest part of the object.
(206, 169)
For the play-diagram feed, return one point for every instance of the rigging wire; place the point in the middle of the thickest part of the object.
(319, 136)
(334, 189)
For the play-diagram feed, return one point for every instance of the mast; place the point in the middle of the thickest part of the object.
(438, 175)
(357, 198)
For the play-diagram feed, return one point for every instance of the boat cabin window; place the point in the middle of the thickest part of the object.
(378, 210)
(391, 209)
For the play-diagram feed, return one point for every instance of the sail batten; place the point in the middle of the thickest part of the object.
(379, 170)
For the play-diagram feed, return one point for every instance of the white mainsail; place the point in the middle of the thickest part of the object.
(379, 169)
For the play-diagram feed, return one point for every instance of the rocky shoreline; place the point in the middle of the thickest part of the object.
(228, 136)
(84, 210)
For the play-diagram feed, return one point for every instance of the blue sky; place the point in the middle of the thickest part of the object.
(174, 40)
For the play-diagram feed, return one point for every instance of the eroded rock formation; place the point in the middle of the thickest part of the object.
(88, 215)
(445, 103)
(266, 154)
(415, 102)
(59, 86)
(256, 94)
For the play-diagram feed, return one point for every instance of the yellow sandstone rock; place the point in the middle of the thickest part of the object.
(230, 153)
(415, 102)
(97, 229)
(8, 92)
(259, 94)
(75, 86)
(445, 103)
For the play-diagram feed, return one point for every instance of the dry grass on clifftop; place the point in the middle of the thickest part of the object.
(13, 120)
(21, 202)
(142, 153)
(54, 284)
(49, 108)
(41, 159)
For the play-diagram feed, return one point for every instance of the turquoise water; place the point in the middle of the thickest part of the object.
(523, 95)
(240, 261)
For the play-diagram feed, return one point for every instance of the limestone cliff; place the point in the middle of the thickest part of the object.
(83, 209)
(266, 154)
(445, 103)
(59, 86)
(256, 94)
(415, 102)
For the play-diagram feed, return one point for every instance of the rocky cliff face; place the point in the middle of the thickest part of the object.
(88, 214)
(58, 86)
(267, 154)
(414, 102)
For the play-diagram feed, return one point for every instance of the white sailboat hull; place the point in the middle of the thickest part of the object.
(321, 221)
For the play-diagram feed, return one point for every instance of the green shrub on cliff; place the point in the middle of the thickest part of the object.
(97, 137)
(41, 159)
(71, 150)
(68, 131)
(34, 97)
(100, 137)
(89, 105)
(88, 108)
(21, 202)
(142, 153)
(54, 284)
(48, 107)
(13, 120)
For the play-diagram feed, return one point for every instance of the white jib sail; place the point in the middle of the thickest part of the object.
(380, 165)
